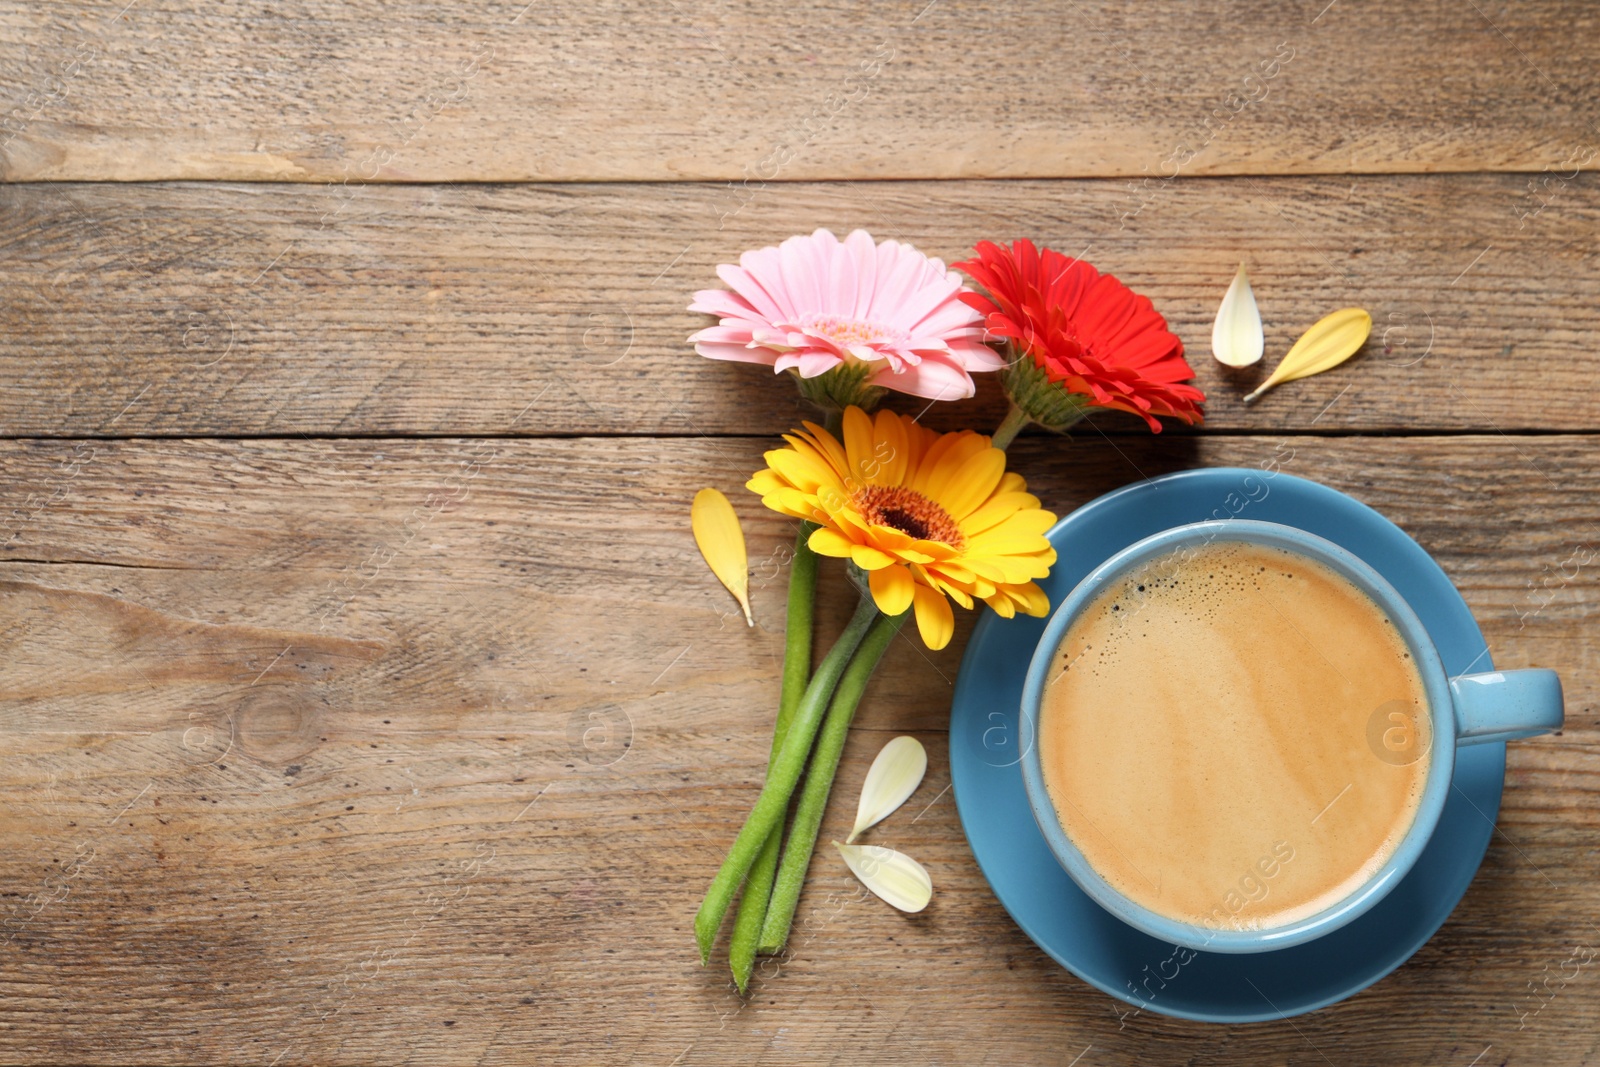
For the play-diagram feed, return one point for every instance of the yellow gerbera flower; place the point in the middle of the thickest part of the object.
(926, 515)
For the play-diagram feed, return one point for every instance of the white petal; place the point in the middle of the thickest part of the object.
(894, 776)
(1236, 338)
(897, 879)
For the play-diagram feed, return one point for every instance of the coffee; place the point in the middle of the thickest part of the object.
(1234, 736)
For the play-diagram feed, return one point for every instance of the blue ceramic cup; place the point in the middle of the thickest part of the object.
(1465, 710)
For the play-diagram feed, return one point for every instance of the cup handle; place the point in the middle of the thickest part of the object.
(1506, 705)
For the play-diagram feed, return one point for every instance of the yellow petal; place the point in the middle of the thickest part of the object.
(871, 559)
(918, 440)
(1030, 598)
(891, 589)
(1329, 343)
(1019, 523)
(716, 531)
(828, 445)
(1003, 605)
(973, 483)
(821, 460)
(890, 539)
(997, 509)
(983, 568)
(932, 455)
(952, 570)
(935, 621)
(857, 446)
(804, 470)
(894, 775)
(948, 455)
(766, 481)
(992, 545)
(956, 593)
(793, 502)
(890, 452)
(931, 550)
(1236, 338)
(1020, 569)
(897, 879)
(848, 519)
(829, 542)
(1012, 483)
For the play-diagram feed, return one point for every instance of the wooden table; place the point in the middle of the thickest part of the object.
(363, 696)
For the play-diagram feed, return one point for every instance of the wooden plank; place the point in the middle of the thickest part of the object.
(356, 751)
(319, 90)
(205, 309)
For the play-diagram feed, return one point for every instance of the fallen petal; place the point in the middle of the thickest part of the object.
(1236, 337)
(721, 540)
(1335, 338)
(893, 777)
(897, 879)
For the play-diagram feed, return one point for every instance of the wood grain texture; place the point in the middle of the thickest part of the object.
(362, 697)
(207, 309)
(422, 752)
(321, 90)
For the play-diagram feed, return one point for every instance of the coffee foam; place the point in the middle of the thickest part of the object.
(1206, 736)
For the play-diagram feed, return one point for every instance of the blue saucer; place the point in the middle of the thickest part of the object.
(1152, 975)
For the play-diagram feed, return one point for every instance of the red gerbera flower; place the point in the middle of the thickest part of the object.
(1091, 337)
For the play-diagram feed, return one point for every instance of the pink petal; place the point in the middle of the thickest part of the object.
(901, 358)
(802, 272)
(932, 379)
(743, 281)
(932, 293)
(722, 302)
(814, 363)
(976, 357)
(841, 281)
(885, 257)
(769, 274)
(736, 353)
(925, 344)
(730, 333)
(811, 339)
(950, 315)
(861, 248)
(898, 276)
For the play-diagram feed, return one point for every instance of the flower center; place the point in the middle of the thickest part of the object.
(844, 332)
(909, 512)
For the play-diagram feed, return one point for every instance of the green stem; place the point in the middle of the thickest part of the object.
(833, 422)
(1013, 423)
(819, 781)
(782, 777)
(796, 673)
(797, 630)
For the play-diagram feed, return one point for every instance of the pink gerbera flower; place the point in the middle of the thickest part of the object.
(847, 316)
